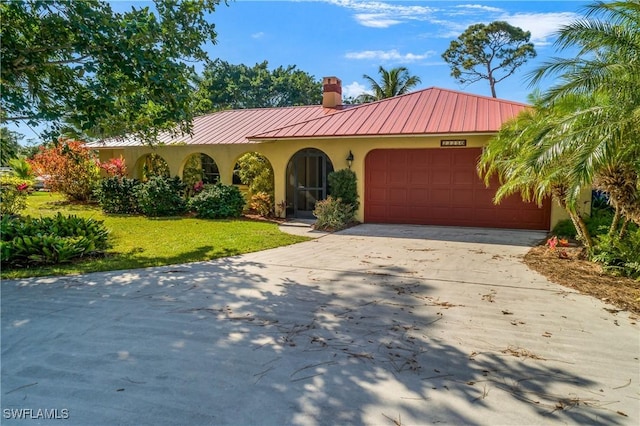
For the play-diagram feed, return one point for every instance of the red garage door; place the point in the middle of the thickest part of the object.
(440, 187)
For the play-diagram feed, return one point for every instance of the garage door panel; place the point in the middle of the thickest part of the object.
(463, 177)
(418, 177)
(397, 177)
(462, 198)
(440, 187)
(398, 196)
(440, 178)
(441, 197)
(419, 197)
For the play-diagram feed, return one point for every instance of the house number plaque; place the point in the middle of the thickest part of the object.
(453, 142)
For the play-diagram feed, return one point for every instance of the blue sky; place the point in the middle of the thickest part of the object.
(349, 38)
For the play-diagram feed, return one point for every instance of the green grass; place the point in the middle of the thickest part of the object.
(138, 242)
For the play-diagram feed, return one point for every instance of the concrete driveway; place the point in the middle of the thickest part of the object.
(376, 325)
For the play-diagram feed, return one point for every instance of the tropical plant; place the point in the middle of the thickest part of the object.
(118, 195)
(490, 52)
(343, 185)
(604, 139)
(513, 155)
(161, 196)
(21, 168)
(49, 240)
(255, 171)
(332, 214)
(114, 167)
(393, 82)
(620, 255)
(262, 203)
(155, 165)
(218, 201)
(13, 194)
(68, 167)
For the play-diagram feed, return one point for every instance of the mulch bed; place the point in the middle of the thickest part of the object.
(585, 277)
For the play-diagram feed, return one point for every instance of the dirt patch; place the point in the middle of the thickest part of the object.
(584, 276)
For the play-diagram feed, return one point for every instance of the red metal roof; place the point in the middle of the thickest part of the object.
(230, 127)
(428, 111)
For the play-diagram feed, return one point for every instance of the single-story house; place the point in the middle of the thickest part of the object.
(414, 155)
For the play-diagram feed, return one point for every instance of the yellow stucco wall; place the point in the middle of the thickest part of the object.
(280, 152)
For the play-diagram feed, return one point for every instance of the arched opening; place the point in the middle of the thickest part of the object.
(151, 165)
(307, 173)
(200, 167)
(254, 174)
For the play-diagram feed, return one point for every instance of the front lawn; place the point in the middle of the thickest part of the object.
(138, 241)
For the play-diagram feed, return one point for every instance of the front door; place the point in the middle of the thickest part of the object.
(307, 181)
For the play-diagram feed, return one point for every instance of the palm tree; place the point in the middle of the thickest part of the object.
(514, 156)
(393, 82)
(603, 138)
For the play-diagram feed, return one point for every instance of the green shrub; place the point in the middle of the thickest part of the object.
(50, 240)
(333, 214)
(218, 201)
(118, 195)
(597, 223)
(13, 194)
(161, 196)
(343, 185)
(565, 228)
(21, 168)
(620, 255)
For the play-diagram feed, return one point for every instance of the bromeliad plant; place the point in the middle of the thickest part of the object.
(553, 244)
(49, 240)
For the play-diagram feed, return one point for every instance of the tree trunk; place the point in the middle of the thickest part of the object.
(623, 229)
(560, 194)
(620, 182)
(615, 222)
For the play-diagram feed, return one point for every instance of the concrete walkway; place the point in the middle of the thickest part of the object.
(374, 325)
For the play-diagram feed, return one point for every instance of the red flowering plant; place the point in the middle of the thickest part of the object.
(13, 195)
(68, 167)
(114, 167)
(553, 244)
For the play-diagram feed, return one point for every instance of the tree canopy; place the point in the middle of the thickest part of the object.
(583, 132)
(227, 86)
(393, 82)
(488, 52)
(108, 72)
(9, 145)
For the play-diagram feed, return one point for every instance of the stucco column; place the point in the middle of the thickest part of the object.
(279, 185)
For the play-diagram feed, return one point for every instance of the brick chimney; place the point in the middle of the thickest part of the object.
(331, 92)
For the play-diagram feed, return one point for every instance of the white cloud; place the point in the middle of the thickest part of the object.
(375, 20)
(479, 7)
(451, 21)
(258, 35)
(390, 56)
(378, 14)
(354, 89)
(542, 25)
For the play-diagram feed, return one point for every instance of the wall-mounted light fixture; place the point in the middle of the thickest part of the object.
(350, 158)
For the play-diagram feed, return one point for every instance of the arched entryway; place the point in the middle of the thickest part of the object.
(307, 173)
(200, 167)
(151, 165)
